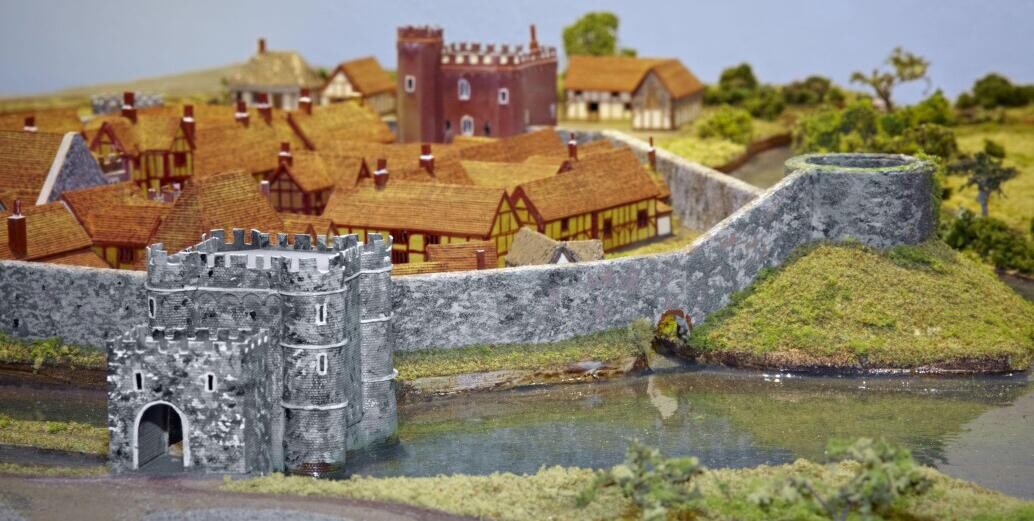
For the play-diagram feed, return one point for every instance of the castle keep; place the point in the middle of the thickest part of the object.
(257, 356)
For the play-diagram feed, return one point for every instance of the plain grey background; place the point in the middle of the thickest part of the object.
(51, 44)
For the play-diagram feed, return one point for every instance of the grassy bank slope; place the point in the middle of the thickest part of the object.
(849, 306)
(551, 493)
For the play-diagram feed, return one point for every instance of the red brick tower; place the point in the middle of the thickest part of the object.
(419, 90)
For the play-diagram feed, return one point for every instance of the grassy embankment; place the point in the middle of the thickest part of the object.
(1016, 134)
(49, 471)
(715, 152)
(58, 435)
(551, 494)
(852, 307)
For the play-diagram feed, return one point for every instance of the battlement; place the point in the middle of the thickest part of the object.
(412, 32)
(297, 254)
(475, 54)
(377, 252)
(242, 341)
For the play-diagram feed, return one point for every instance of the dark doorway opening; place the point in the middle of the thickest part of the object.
(594, 110)
(159, 441)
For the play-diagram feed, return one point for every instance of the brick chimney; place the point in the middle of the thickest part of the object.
(533, 45)
(17, 235)
(426, 158)
(262, 104)
(284, 157)
(651, 155)
(481, 262)
(177, 190)
(129, 106)
(188, 120)
(380, 176)
(241, 115)
(30, 124)
(262, 46)
(305, 102)
(572, 148)
(264, 188)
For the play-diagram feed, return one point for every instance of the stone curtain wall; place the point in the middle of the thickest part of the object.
(701, 196)
(85, 306)
(883, 207)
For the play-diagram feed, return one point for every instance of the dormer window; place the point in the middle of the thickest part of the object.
(504, 96)
(410, 83)
(463, 86)
(321, 314)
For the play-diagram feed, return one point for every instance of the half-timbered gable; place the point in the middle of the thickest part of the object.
(361, 79)
(606, 196)
(156, 149)
(302, 182)
(421, 214)
(119, 220)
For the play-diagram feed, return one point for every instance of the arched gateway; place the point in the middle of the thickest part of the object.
(160, 438)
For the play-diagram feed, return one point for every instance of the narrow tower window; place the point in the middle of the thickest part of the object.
(410, 83)
(321, 314)
(321, 366)
(504, 96)
(151, 305)
(464, 88)
(210, 382)
(138, 381)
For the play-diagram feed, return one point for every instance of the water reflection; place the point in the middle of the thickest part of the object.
(727, 419)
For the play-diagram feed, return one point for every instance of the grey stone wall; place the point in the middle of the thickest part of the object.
(701, 196)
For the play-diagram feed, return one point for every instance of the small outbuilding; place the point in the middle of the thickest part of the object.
(531, 247)
(364, 80)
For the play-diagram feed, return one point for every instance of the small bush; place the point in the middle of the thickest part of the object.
(991, 239)
(728, 123)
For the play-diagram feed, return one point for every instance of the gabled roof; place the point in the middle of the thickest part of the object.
(25, 162)
(365, 75)
(348, 121)
(508, 175)
(51, 230)
(531, 247)
(597, 182)
(428, 207)
(625, 74)
(301, 223)
(275, 69)
(517, 148)
(308, 170)
(226, 200)
(150, 132)
(404, 160)
(224, 144)
(117, 213)
(59, 120)
(462, 256)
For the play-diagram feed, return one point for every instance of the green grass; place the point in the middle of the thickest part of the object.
(49, 471)
(50, 352)
(715, 152)
(845, 305)
(68, 436)
(604, 346)
(1017, 207)
(680, 240)
(551, 492)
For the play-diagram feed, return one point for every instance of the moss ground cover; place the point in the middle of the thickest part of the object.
(38, 471)
(552, 493)
(850, 306)
(50, 352)
(603, 346)
(69, 435)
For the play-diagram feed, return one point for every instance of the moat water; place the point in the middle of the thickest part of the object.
(975, 428)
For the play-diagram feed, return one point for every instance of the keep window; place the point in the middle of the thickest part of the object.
(321, 364)
(463, 88)
(138, 381)
(642, 218)
(504, 96)
(488, 128)
(321, 314)
(467, 126)
(410, 83)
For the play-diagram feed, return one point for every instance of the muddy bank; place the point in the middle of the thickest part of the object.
(50, 374)
(798, 363)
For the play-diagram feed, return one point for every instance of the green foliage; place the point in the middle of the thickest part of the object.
(594, 34)
(995, 90)
(631, 341)
(991, 240)
(905, 67)
(935, 109)
(883, 475)
(730, 123)
(986, 171)
(655, 485)
(739, 87)
(49, 352)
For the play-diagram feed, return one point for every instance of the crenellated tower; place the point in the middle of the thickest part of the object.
(419, 85)
(303, 300)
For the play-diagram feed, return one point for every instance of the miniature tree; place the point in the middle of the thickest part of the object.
(985, 171)
(594, 34)
(907, 67)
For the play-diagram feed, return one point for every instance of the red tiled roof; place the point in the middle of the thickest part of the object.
(624, 74)
(25, 160)
(516, 148)
(58, 121)
(51, 230)
(462, 256)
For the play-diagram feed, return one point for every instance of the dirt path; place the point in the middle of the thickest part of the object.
(132, 499)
